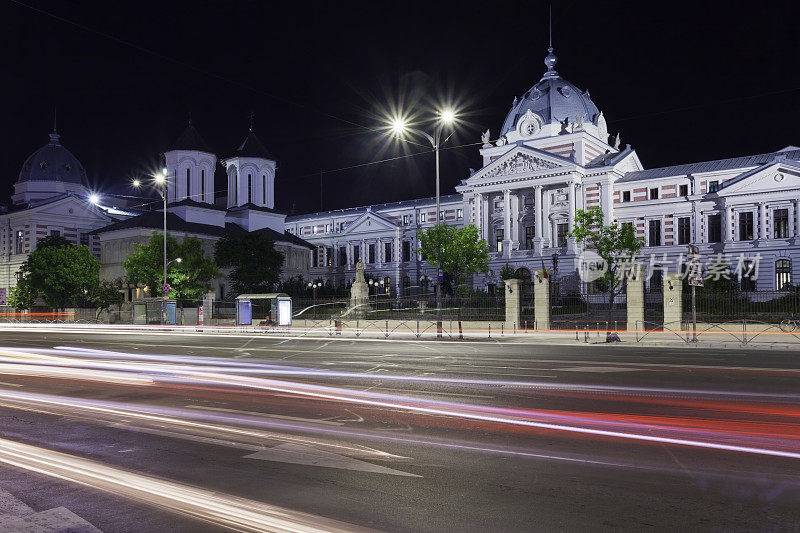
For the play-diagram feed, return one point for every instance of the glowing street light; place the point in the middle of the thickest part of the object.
(136, 183)
(445, 117)
(94, 199)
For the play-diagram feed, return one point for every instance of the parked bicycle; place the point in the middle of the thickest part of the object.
(790, 324)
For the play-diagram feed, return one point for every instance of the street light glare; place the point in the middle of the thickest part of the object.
(137, 183)
(179, 260)
(160, 178)
(447, 116)
(398, 126)
(94, 199)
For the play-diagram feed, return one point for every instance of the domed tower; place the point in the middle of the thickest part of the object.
(251, 174)
(190, 165)
(557, 116)
(49, 171)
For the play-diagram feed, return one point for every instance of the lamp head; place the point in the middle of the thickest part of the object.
(94, 199)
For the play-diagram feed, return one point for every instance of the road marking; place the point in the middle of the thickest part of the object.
(268, 415)
(306, 455)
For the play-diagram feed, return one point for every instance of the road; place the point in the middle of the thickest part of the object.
(135, 431)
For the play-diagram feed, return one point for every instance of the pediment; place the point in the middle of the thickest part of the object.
(779, 176)
(517, 162)
(70, 207)
(370, 222)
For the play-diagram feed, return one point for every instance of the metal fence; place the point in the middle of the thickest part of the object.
(763, 306)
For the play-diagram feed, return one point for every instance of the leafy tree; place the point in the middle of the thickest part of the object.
(105, 295)
(254, 262)
(508, 272)
(295, 286)
(61, 273)
(614, 243)
(189, 279)
(460, 252)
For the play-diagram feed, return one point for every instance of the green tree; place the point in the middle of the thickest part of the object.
(61, 273)
(188, 279)
(508, 272)
(254, 262)
(616, 244)
(459, 252)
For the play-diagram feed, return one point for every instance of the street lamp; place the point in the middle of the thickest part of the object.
(94, 198)
(161, 180)
(446, 117)
(314, 286)
(376, 284)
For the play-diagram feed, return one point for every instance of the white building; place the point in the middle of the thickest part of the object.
(552, 157)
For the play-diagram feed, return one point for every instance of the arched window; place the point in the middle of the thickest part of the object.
(387, 284)
(406, 285)
(188, 183)
(264, 190)
(203, 185)
(783, 273)
(249, 188)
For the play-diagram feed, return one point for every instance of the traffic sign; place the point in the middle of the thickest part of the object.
(166, 288)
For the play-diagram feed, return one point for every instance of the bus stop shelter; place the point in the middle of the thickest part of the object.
(273, 308)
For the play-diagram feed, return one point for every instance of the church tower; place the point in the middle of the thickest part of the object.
(251, 174)
(190, 166)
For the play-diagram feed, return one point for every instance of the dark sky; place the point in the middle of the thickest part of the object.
(682, 82)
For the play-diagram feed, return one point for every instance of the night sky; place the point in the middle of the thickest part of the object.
(682, 83)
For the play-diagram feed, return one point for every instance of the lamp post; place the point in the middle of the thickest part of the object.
(376, 284)
(313, 287)
(446, 117)
(161, 180)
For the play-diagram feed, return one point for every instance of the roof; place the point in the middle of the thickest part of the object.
(420, 202)
(710, 166)
(53, 162)
(252, 147)
(155, 220)
(611, 158)
(195, 203)
(190, 139)
(254, 207)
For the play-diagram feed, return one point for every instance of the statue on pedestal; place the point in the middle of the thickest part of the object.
(359, 293)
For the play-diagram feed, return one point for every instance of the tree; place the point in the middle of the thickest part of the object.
(254, 262)
(616, 244)
(460, 252)
(61, 273)
(188, 279)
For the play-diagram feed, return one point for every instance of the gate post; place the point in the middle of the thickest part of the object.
(673, 299)
(541, 299)
(513, 301)
(635, 298)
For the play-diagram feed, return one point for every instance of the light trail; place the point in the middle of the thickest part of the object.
(233, 512)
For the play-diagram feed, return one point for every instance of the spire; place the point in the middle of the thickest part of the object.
(252, 118)
(551, 59)
(55, 137)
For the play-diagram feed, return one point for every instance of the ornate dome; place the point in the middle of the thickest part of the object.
(553, 99)
(53, 162)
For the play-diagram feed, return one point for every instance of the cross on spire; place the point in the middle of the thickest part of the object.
(252, 118)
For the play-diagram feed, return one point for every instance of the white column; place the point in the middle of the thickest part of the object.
(727, 224)
(537, 219)
(605, 203)
(762, 220)
(796, 216)
(379, 252)
(507, 223)
(571, 203)
(790, 230)
(515, 210)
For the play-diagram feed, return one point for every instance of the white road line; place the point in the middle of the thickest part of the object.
(267, 415)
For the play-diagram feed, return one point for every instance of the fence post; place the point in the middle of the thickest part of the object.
(634, 298)
(541, 299)
(513, 300)
(502, 328)
(586, 333)
(418, 328)
(387, 329)
(744, 331)
(576, 334)
(490, 330)
(673, 299)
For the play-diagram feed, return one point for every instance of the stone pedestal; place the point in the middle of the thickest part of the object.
(673, 303)
(513, 303)
(541, 299)
(635, 299)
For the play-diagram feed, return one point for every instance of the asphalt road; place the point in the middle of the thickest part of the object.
(169, 432)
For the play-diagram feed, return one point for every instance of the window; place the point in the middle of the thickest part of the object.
(264, 190)
(780, 221)
(441, 215)
(561, 234)
(55, 233)
(342, 255)
(83, 239)
(387, 252)
(715, 228)
(657, 279)
(654, 193)
(387, 283)
(499, 240)
(626, 196)
(405, 220)
(20, 241)
(406, 251)
(315, 258)
(713, 186)
(747, 276)
(188, 183)
(683, 190)
(249, 188)
(356, 253)
(406, 285)
(654, 233)
(783, 273)
(684, 230)
(746, 226)
(530, 234)
(203, 185)
(329, 256)
(422, 217)
(370, 253)
(459, 214)
(327, 228)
